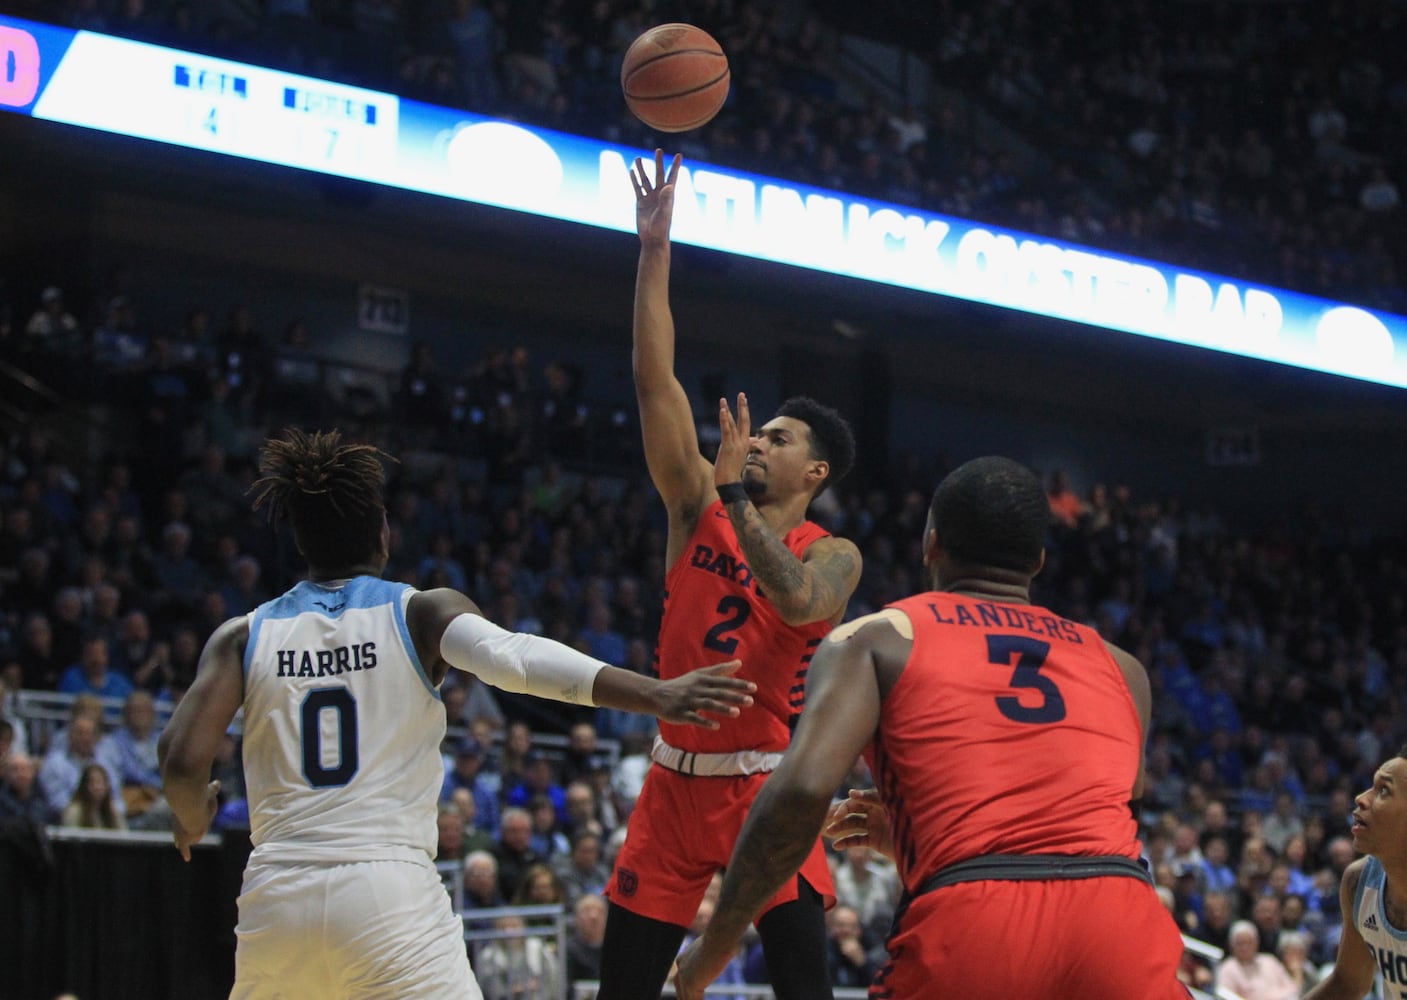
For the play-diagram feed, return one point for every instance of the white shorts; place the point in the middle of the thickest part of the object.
(372, 930)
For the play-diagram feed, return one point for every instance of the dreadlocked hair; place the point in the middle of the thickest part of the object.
(329, 492)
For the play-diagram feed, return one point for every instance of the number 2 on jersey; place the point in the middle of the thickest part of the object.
(1030, 657)
(735, 611)
(340, 701)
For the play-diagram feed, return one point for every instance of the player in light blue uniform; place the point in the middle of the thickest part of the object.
(339, 681)
(1373, 894)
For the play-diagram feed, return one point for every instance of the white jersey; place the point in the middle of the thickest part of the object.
(342, 727)
(1387, 943)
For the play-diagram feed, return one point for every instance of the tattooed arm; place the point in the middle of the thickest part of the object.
(813, 588)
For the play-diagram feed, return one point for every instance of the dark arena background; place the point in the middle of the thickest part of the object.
(1166, 275)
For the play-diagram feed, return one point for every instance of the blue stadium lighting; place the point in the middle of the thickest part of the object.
(201, 102)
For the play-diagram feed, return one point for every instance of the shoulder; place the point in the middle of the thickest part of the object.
(437, 607)
(886, 622)
(837, 558)
(1121, 656)
(1353, 875)
(1133, 669)
(232, 633)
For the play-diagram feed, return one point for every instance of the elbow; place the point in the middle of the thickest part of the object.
(649, 383)
(177, 762)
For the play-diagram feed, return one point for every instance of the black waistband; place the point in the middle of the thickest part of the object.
(1034, 868)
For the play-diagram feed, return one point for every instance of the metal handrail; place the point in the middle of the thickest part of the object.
(33, 384)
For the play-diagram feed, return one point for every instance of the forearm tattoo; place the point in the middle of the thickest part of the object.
(812, 592)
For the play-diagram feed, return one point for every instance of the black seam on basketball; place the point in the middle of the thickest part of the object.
(681, 93)
(674, 52)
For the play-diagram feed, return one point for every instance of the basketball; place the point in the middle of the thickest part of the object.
(675, 77)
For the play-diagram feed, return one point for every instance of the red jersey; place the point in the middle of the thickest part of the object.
(714, 610)
(1010, 731)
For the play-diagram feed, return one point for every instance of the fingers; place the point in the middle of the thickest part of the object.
(744, 415)
(663, 184)
(870, 795)
(731, 667)
(725, 418)
(702, 721)
(841, 841)
(841, 818)
(849, 822)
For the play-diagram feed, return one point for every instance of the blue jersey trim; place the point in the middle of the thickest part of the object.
(256, 621)
(1375, 875)
(360, 592)
(410, 647)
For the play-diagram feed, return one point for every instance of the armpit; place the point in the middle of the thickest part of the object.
(896, 619)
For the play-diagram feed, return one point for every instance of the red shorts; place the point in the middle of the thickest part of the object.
(682, 831)
(1095, 939)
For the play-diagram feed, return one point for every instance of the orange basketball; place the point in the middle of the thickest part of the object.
(675, 77)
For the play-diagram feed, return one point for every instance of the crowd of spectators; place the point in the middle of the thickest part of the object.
(1259, 140)
(1277, 651)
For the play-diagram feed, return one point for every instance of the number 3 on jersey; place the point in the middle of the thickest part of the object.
(335, 705)
(1030, 656)
(735, 611)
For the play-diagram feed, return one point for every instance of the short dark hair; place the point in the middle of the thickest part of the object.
(992, 511)
(330, 493)
(832, 440)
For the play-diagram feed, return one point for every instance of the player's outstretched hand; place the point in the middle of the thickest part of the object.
(707, 691)
(186, 839)
(734, 443)
(859, 820)
(654, 199)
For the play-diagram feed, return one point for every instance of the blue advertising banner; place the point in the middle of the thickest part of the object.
(201, 102)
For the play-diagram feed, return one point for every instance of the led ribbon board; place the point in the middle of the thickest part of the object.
(131, 88)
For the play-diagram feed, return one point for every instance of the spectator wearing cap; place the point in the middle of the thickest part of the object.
(464, 772)
(540, 778)
(1187, 895)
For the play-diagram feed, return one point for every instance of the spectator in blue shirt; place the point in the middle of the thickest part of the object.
(601, 640)
(464, 773)
(91, 674)
(1217, 874)
(63, 765)
(540, 778)
(131, 752)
